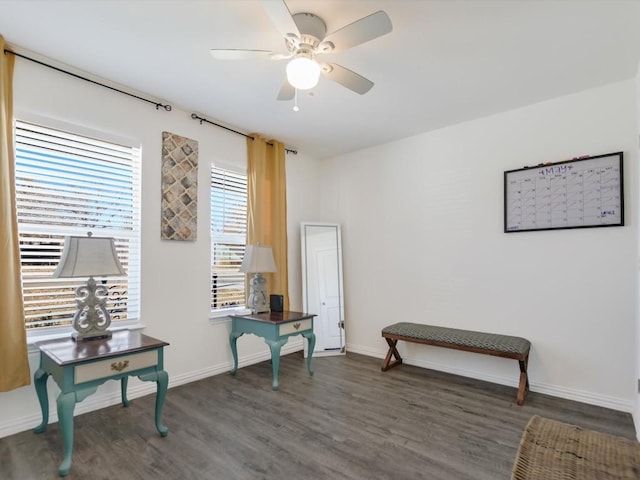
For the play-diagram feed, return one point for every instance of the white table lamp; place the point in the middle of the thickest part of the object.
(90, 257)
(258, 259)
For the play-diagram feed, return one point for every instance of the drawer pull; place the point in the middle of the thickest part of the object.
(296, 325)
(119, 366)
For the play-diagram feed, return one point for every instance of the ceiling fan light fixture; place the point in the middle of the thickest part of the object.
(303, 72)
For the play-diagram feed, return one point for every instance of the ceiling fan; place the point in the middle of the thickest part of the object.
(305, 36)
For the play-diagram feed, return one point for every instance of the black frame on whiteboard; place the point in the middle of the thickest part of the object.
(580, 193)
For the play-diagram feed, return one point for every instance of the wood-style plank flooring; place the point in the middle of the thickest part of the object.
(348, 421)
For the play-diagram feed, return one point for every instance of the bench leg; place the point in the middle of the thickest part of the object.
(523, 388)
(393, 352)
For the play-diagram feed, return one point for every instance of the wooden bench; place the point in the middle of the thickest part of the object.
(487, 343)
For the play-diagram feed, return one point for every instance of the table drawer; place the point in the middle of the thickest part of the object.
(295, 327)
(113, 366)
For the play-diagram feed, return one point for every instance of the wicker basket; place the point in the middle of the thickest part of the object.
(551, 450)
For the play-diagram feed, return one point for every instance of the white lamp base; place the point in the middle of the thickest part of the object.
(92, 320)
(80, 337)
(257, 302)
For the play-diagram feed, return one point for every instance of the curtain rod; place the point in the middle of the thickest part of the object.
(157, 104)
(195, 116)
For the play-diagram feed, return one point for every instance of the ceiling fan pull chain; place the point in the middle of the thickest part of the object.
(295, 100)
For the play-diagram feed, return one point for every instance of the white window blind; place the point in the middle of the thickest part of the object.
(228, 237)
(68, 184)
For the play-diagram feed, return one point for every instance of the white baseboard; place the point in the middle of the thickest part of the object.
(102, 400)
(582, 396)
(97, 401)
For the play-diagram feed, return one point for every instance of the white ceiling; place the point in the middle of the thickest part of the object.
(445, 61)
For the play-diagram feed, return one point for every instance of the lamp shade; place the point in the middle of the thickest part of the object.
(303, 73)
(88, 257)
(258, 259)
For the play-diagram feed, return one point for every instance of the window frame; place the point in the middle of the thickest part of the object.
(223, 312)
(35, 334)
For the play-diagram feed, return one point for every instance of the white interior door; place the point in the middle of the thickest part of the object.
(329, 297)
(322, 290)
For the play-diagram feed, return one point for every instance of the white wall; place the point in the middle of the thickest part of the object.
(175, 275)
(637, 398)
(423, 241)
(422, 228)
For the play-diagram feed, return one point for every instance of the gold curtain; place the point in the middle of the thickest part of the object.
(13, 337)
(267, 208)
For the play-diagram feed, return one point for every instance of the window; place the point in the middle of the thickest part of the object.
(67, 184)
(228, 237)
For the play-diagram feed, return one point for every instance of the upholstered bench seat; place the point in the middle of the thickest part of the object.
(505, 346)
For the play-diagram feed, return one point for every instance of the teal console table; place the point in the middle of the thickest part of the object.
(80, 367)
(275, 328)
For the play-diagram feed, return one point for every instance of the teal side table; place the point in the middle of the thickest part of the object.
(275, 328)
(78, 368)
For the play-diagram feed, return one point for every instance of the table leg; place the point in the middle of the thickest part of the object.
(275, 346)
(66, 404)
(163, 380)
(233, 340)
(123, 390)
(40, 382)
(311, 344)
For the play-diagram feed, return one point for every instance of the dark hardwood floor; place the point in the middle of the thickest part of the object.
(348, 421)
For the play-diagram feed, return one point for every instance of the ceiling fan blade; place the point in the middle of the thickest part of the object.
(361, 31)
(280, 16)
(240, 54)
(347, 78)
(287, 91)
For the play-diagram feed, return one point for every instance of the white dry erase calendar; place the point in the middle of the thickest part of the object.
(585, 192)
